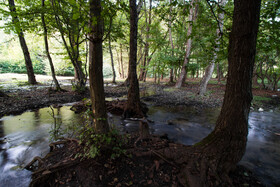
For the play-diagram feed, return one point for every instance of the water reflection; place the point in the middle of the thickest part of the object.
(25, 136)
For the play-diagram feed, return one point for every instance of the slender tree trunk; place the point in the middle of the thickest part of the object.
(133, 106)
(28, 62)
(122, 62)
(96, 69)
(171, 77)
(73, 34)
(192, 18)
(219, 73)
(209, 70)
(207, 76)
(47, 48)
(112, 60)
(119, 64)
(143, 70)
(220, 151)
(255, 77)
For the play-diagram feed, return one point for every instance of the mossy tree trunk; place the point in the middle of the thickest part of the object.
(96, 69)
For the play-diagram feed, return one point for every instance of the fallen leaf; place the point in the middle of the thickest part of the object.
(149, 181)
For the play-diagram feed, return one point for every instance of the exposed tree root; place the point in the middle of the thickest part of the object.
(32, 166)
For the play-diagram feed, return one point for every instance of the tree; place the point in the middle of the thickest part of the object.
(171, 40)
(210, 68)
(146, 61)
(19, 32)
(70, 22)
(192, 18)
(47, 47)
(221, 150)
(112, 59)
(133, 106)
(96, 68)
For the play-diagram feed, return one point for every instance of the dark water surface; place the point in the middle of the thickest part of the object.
(25, 136)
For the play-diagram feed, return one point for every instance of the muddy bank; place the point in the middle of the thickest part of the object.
(61, 167)
(154, 94)
(22, 100)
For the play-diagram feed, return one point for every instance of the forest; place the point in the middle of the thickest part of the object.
(139, 93)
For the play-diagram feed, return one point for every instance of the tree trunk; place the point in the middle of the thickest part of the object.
(112, 60)
(28, 62)
(171, 76)
(218, 73)
(133, 106)
(47, 48)
(96, 69)
(192, 18)
(207, 76)
(143, 70)
(209, 70)
(122, 62)
(255, 77)
(220, 151)
(72, 47)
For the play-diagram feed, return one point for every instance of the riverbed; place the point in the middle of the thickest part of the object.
(25, 136)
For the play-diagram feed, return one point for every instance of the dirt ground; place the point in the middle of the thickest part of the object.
(61, 168)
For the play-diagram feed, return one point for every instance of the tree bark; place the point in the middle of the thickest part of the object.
(72, 47)
(220, 151)
(28, 62)
(209, 70)
(171, 75)
(143, 70)
(112, 60)
(96, 69)
(192, 18)
(47, 48)
(133, 106)
(122, 61)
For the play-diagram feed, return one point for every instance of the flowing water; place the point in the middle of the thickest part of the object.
(27, 135)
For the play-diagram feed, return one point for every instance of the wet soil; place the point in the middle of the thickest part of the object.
(61, 168)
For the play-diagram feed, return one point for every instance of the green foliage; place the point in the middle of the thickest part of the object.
(19, 67)
(94, 144)
(260, 98)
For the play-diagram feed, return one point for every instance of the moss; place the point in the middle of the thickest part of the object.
(206, 140)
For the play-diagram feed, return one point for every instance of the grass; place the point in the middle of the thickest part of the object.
(259, 100)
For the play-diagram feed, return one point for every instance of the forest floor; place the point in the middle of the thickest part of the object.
(61, 168)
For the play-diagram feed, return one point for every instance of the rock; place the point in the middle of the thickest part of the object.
(260, 110)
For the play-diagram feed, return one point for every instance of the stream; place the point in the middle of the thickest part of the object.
(25, 136)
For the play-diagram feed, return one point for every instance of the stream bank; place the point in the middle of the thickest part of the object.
(155, 95)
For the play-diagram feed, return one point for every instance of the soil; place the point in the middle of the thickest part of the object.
(61, 167)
